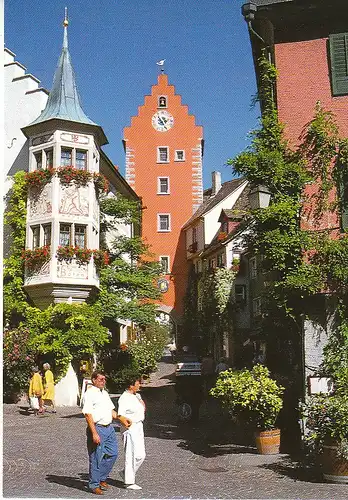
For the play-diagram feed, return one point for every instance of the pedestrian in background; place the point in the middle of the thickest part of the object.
(207, 371)
(172, 349)
(221, 366)
(132, 406)
(36, 390)
(99, 412)
(48, 396)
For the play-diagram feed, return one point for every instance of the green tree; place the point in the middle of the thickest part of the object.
(128, 286)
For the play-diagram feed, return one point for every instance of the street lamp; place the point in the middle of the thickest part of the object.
(259, 197)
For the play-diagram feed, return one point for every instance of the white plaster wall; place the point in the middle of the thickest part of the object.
(211, 223)
(20, 109)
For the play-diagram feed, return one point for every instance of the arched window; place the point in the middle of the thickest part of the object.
(162, 101)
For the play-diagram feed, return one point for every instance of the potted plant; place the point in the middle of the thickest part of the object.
(253, 397)
(327, 433)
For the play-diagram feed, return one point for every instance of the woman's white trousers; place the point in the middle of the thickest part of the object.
(134, 450)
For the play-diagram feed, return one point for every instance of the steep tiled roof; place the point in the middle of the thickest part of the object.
(226, 189)
(239, 210)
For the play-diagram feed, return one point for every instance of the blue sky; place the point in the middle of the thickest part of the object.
(114, 45)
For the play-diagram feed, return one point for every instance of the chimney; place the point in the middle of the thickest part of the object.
(215, 182)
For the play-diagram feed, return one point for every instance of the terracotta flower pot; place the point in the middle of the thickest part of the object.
(268, 442)
(334, 467)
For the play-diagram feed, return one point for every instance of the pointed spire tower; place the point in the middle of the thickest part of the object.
(63, 211)
(64, 101)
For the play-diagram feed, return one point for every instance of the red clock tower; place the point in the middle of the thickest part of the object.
(164, 150)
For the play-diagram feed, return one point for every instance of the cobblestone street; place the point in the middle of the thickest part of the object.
(46, 457)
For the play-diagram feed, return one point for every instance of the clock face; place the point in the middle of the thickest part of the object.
(162, 121)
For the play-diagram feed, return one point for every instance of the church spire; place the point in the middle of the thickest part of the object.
(64, 101)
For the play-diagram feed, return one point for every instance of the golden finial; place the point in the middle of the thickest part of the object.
(66, 22)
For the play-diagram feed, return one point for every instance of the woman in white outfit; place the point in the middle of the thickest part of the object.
(132, 406)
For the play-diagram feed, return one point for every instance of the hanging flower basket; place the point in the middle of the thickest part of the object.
(222, 236)
(35, 259)
(235, 265)
(101, 183)
(39, 178)
(100, 258)
(69, 174)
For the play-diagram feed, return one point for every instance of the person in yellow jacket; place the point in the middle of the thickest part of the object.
(36, 387)
(48, 396)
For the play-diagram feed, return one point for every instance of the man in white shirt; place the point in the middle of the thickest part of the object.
(132, 406)
(99, 412)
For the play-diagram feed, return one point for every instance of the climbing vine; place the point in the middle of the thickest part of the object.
(15, 299)
(306, 186)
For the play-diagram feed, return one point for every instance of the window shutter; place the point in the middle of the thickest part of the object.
(339, 63)
(344, 202)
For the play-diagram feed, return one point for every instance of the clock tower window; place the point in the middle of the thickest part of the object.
(164, 261)
(162, 154)
(163, 185)
(179, 155)
(163, 222)
(162, 101)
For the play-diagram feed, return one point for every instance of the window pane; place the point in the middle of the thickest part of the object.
(194, 235)
(164, 222)
(163, 154)
(165, 264)
(162, 102)
(47, 234)
(81, 160)
(38, 160)
(66, 157)
(80, 236)
(163, 185)
(36, 236)
(64, 235)
(49, 158)
(179, 155)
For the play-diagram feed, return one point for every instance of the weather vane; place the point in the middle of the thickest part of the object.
(161, 63)
(65, 22)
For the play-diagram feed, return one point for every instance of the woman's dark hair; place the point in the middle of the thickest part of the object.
(131, 379)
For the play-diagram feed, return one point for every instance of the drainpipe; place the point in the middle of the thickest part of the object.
(248, 11)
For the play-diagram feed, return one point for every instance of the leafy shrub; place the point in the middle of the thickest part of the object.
(147, 349)
(17, 363)
(251, 395)
(327, 417)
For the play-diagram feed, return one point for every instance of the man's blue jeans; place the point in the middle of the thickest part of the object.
(101, 457)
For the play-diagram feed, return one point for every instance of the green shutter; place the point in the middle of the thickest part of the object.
(343, 191)
(339, 63)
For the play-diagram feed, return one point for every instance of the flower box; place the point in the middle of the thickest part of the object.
(34, 259)
(71, 174)
(39, 178)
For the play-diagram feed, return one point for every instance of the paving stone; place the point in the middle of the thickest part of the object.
(46, 457)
